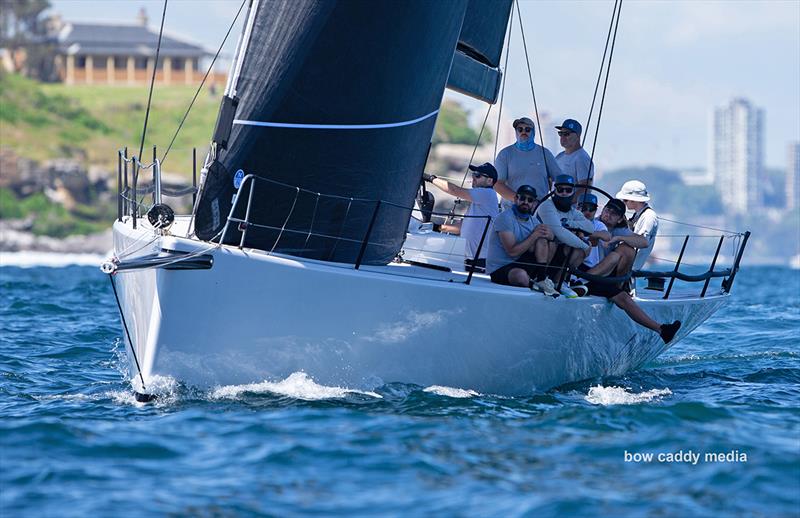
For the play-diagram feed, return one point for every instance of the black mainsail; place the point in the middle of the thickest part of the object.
(338, 98)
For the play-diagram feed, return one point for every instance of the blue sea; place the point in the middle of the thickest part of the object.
(74, 442)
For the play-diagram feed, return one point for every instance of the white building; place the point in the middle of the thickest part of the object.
(736, 157)
(550, 133)
(793, 176)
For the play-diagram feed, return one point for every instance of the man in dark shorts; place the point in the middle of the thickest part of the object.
(623, 243)
(516, 242)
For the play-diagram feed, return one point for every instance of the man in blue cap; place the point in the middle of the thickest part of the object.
(570, 228)
(574, 160)
(482, 210)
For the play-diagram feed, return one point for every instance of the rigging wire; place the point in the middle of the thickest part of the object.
(153, 80)
(533, 91)
(150, 95)
(503, 85)
(600, 73)
(605, 84)
(200, 88)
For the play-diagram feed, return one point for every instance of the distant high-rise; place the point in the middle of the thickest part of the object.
(737, 155)
(793, 176)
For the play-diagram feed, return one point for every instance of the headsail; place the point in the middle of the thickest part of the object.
(476, 65)
(333, 97)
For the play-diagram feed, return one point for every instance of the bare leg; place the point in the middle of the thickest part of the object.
(637, 314)
(626, 256)
(607, 265)
(518, 277)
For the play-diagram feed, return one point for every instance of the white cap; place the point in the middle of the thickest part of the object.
(633, 190)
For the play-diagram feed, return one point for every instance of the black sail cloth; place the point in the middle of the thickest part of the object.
(312, 73)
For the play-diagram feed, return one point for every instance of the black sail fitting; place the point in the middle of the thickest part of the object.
(338, 98)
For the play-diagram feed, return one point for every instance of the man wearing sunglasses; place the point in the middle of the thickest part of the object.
(482, 210)
(570, 227)
(574, 160)
(519, 244)
(617, 258)
(524, 163)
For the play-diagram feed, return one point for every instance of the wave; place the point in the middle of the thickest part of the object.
(298, 385)
(49, 259)
(605, 396)
(450, 391)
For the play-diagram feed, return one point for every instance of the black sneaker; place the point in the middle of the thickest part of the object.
(668, 331)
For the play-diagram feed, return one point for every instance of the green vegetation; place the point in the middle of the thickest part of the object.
(453, 127)
(86, 122)
(52, 219)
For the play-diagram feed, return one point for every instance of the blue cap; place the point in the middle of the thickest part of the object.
(588, 199)
(571, 125)
(564, 179)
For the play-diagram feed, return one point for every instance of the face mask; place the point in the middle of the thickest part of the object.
(526, 146)
(629, 213)
(562, 203)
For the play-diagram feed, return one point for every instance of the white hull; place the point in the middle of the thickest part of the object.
(255, 316)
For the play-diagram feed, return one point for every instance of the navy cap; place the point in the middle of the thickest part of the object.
(487, 169)
(527, 189)
(564, 179)
(617, 206)
(571, 125)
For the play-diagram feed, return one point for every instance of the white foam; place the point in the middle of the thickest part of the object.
(298, 385)
(450, 391)
(49, 259)
(600, 395)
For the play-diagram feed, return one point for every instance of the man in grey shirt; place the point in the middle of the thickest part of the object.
(518, 245)
(524, 163)
(574, 160)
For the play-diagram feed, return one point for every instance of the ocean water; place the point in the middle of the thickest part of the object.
(74, 442)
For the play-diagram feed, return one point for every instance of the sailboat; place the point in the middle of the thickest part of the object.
(297, 256)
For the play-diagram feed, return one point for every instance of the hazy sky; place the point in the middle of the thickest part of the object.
(674, 61)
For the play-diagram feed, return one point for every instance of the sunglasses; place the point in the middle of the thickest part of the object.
(564, 133)
(478, 175)
(565, 190)
(588, 207)
(527, 199)
(523, 129)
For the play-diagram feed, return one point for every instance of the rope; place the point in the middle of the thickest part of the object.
(127, 333)
(200, 88)
(533, 91)
(480, 134)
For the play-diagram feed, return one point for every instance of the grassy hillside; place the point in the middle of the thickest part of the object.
(42, 121)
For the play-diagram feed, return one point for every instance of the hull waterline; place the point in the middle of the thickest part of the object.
(255, 317)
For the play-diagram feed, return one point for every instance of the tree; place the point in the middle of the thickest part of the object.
(23, 32)
(452, 126)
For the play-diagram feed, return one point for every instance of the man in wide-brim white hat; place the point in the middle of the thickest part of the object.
(644, 220)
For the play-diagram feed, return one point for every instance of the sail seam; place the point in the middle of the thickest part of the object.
(334, 126)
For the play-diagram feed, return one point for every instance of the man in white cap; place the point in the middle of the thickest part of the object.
(644, 220)
(524, 163)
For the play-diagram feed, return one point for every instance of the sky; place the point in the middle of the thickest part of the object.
(674, 61)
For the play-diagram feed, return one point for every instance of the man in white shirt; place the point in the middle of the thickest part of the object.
(482, 210)
(574, 160)
(644, 220)
(524, 163)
